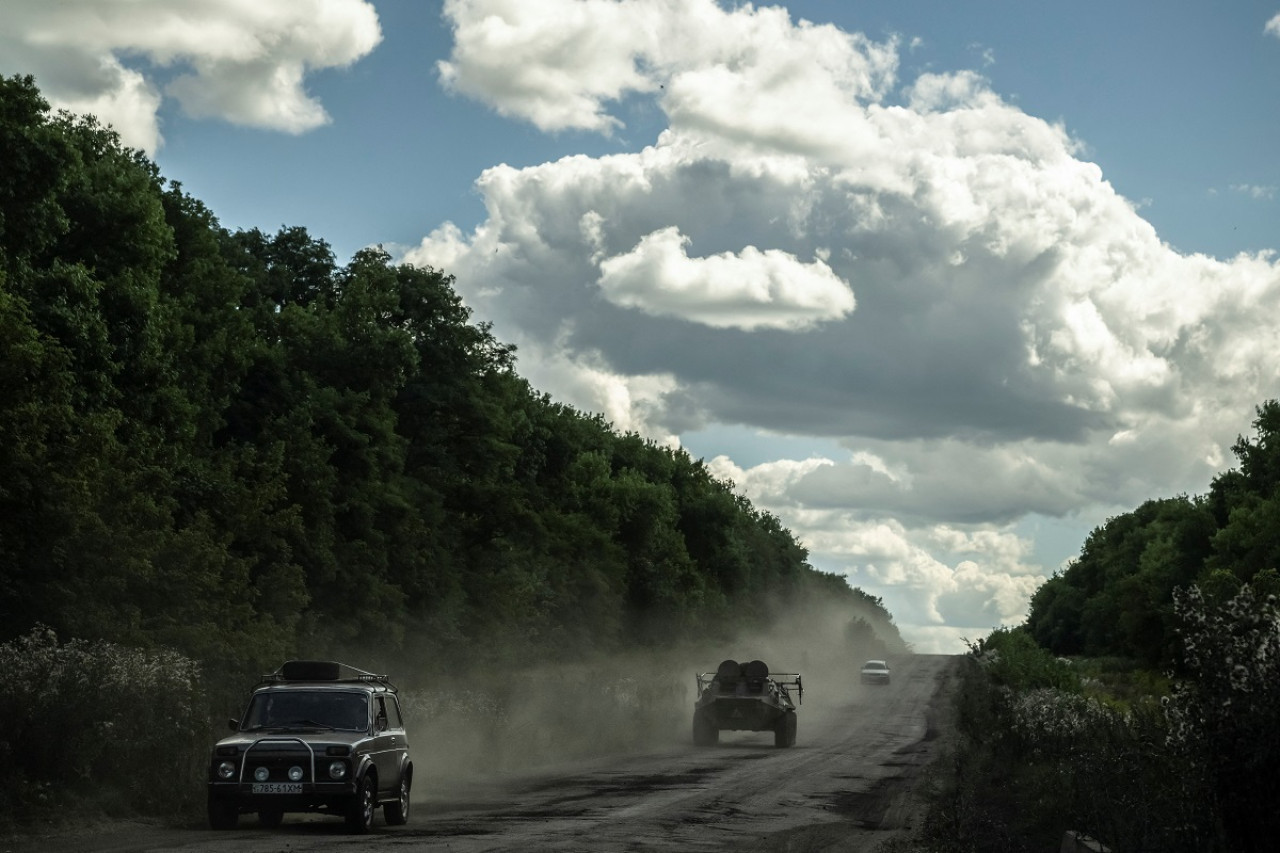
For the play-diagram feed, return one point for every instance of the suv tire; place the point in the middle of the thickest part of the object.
(360, 809)
(397, 813)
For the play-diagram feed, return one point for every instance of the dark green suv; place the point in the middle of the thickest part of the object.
(317, 736)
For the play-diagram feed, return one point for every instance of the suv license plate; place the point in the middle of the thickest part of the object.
(277, 788)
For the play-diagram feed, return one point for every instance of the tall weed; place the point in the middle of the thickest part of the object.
(121, 727)
(1039, 755)
(1225, 712)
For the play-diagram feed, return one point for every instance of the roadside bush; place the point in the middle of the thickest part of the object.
(1011, 658)
(972, 808)
(1225, 714)
(121, 727)
(1108, 772)
(1036, 757)
(1120, 682)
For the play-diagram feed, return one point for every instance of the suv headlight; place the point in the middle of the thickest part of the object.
(226, 770)
(338, 770)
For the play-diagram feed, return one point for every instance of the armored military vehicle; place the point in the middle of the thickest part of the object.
(746, 697)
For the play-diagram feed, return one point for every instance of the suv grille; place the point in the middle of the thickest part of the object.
(277, 757)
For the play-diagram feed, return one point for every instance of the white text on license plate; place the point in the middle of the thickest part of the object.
(277, 787)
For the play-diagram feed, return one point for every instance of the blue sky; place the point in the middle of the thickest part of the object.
(1178, 108)
(941, 285)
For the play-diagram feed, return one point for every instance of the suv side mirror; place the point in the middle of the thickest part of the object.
(233, 724)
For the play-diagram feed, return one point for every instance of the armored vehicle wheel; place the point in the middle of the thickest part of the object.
(784, 731)
(705, 732)
(270, 819)
(223, 814)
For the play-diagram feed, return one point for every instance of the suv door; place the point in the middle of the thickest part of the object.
(390, 744)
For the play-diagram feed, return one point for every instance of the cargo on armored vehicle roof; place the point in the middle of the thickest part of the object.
(746, 697)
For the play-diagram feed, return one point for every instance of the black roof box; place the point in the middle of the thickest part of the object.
(323, 670)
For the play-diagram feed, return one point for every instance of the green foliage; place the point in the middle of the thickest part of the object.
(1117, 597)
(121, 727)
(1033, 762)
(1224, 712)
(1012, 659)
(231, 445)
(1140, 761)
(1187, 586)
(1186, 760)
(1120, 683)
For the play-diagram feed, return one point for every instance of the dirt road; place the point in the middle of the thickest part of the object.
(851, 782)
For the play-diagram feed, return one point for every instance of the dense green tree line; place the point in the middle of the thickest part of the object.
(1117, 598)
(1184, 758)
(1189, 586)
(231, 445)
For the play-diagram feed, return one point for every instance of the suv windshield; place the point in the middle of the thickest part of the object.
(308, 709)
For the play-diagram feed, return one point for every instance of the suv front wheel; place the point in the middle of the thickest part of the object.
(360, 810)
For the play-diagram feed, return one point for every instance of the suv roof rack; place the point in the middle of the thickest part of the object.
(324, 670)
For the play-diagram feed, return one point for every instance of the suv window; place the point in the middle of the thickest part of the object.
(308, 709)
(393, 713)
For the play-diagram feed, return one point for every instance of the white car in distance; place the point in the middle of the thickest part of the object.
(875, 672)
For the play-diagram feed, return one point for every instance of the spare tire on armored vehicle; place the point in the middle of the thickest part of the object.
(745, 697)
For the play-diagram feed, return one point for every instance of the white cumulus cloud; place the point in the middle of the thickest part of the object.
(244, 62)
(747, 290)
(1023, 340)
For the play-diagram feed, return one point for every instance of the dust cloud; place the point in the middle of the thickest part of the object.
(480, 726)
